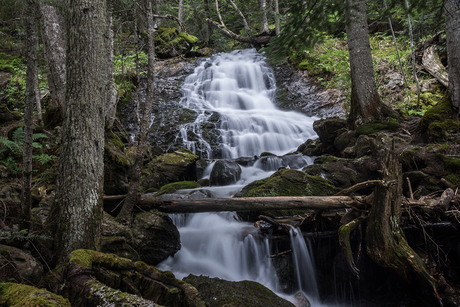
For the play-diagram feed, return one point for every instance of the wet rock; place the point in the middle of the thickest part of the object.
(25, 267)
(365, 146)
(316, 148)
(344, 140)
(225, 172)
(340, 172)
(173, 187)
(172, 167)
(155, 236)
(218, 293)
(329, 128)
(117, 239)
(288, 182)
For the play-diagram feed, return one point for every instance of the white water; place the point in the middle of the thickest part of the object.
(240, 86)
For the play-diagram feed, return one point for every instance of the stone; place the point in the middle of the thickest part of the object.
(329, 128)
(155, 236)
(29, 269)
(218, 292)
(225, 172)
(344, 140)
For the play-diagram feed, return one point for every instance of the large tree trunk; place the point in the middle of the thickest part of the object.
(452, 13)
(53, 45)
(131, 199)
(365, 100)
(80, 173)
(385, 240)
(110, 92)
(30, 97)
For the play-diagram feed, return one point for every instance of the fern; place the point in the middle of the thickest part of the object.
(14, 147)
(44, 158)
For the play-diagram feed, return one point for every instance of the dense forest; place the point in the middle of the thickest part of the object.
(94, 146)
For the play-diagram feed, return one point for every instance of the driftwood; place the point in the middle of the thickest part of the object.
(433, 65)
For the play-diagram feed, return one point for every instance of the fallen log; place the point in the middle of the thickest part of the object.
(433, 65)
(252, 203)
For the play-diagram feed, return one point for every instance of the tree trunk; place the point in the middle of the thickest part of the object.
(125, 214)
(30, 98)
(452, 15)
(414, 69)
(264, 21)
(180, 14)
(385, 240)
(245, 22)
(433, 65)
(53, 45)
(277, 18)
(111, 92)
(80, 173)
(246, 203)
(365, 100)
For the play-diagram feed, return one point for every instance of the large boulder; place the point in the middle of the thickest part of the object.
(20, 264)
(288, 182)
(155, 236)
(329, 128)
(117, 238)
(218, 293)
(171, 167)
(225, 172)
(13, 294)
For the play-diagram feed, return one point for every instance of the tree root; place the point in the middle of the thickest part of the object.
(344, 239)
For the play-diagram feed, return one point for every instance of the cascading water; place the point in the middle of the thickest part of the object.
(238, 89)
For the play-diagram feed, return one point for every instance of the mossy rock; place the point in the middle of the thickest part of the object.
(219, 293)
(340, 172)
(288, 182)
(117, 165)
(12, 294)
(439, 121)
(173, 187)
(6, 115)
(376, 126)
(170, 42)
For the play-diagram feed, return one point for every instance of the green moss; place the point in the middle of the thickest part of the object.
(86, 258)
(173, 187)
(167, 33)
(19, 295)
(370, 128)
(180, 156)
(438, 113)
(437, 130)
(286, 182)
(408, 154)
(189, 38)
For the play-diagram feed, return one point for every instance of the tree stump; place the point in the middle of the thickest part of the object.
(386, 243)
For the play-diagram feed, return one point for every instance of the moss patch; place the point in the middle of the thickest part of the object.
(12, 294)
(173, 187)
(287, 182)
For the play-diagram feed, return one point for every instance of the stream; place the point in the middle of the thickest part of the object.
(239, 88)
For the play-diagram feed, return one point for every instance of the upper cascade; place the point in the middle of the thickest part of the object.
(240, 88)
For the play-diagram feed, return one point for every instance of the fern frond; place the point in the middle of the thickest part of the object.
(44, 158)
(18, 136)
(36, 145)
(37, 136)
(12, 146)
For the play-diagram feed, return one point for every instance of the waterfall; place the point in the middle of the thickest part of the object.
(233, 95)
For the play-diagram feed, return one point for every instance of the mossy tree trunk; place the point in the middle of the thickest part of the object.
(125, 214)
(385, 240)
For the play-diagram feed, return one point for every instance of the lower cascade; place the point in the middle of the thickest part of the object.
(238, 89)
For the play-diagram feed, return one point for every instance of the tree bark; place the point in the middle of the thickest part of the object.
(452, 16)
(252, 203)
(433, 65)
(385, 240)
(264, 21)
(110, 91)
(80, 173)
(54, 49)
(365, 100)
(180, 14)
(414, 69)
(277, 18)
(125, 214)
(30, 98)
